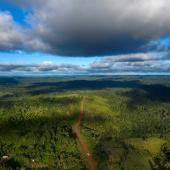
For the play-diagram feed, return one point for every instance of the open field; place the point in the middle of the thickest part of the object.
(125, 122)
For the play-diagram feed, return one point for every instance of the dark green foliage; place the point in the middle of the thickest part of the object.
(40, 129)
(162, 161)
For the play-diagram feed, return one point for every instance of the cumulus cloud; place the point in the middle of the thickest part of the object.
(142, 62)
(15, 37)
(45, 66)
(96, 27)
(108, 62)
(11, 36)
(138, 63)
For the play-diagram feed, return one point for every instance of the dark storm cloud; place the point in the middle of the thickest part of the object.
(91, 27)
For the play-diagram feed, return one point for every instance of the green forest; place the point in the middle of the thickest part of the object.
(125, 123)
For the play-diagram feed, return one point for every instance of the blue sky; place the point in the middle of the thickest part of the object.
(47, 37)
(18, 13)
(20, 57)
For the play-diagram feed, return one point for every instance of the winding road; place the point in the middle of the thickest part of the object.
(91, 164)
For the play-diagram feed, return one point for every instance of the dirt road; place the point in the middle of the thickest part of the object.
(91, 164)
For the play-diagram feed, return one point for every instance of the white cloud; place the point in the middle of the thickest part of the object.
(47, 63)
(11, 36)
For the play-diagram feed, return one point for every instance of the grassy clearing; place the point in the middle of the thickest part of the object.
(152, 144)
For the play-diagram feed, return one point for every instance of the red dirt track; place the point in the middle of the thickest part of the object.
(91, 164)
